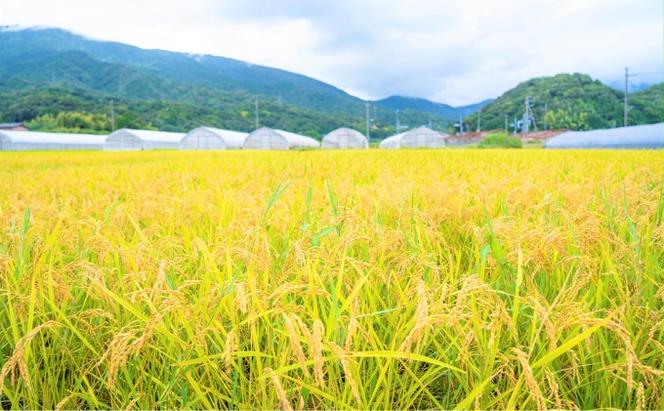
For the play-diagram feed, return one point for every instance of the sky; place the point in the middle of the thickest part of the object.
(452, 51)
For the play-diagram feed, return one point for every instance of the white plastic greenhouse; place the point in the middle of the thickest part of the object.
(34, 140)
(266, 138)
(128, 139)
(417, 137)
(345, 138)
(208, 138)
(647, 136)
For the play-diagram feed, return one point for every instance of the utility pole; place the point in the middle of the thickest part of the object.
(256, 111)
(112, 116)
(625, 107)
(516, 125)
(398, 123)
(479, 117)
(368, 121)
(506, 130)
(526, 118)
(546, 112)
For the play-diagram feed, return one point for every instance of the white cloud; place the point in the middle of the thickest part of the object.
(452, 51)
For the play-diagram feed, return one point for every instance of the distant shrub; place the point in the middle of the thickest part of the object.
(500, 140)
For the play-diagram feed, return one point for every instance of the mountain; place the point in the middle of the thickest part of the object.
(427, 106)
(23, 49)
(572, 101)
(172, 91)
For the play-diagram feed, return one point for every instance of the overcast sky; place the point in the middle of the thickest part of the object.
(454, 51)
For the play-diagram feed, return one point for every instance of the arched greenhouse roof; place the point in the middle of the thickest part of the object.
(209, 138)
(345, 137)
(266, 138)
(37, 140)
(645, 136)
(131, 139)
(417, 137)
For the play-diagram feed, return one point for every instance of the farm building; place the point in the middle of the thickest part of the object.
(14, 126)
(128, 139)
(417, 137)
(33, 140)
(208, 138)
(266, 138)
(646, 136)
(464, 140)
(345, 138)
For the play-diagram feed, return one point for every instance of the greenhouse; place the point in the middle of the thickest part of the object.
(34, 140)
(128, 139)
(345, 138)
(417, 137)
(208, 138)
(646, 136)
(266, 138)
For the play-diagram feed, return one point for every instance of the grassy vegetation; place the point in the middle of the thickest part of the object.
(497, 279)
(500, 140)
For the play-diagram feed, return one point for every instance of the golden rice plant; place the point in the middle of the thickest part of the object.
(331, 280)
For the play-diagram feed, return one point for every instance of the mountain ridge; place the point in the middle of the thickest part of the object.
(198, 69)
(70, 72)
(399, 102)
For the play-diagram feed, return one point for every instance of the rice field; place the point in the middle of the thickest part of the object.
(468, 279)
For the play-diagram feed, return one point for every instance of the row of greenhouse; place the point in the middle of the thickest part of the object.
(208, 138)
(265, 138)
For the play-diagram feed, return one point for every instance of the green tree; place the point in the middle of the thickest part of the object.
(72, 122)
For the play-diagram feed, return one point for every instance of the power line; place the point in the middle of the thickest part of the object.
(652, 73)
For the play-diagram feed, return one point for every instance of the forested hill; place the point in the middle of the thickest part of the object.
(572, 101)
(49, 55)
(46, 71)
